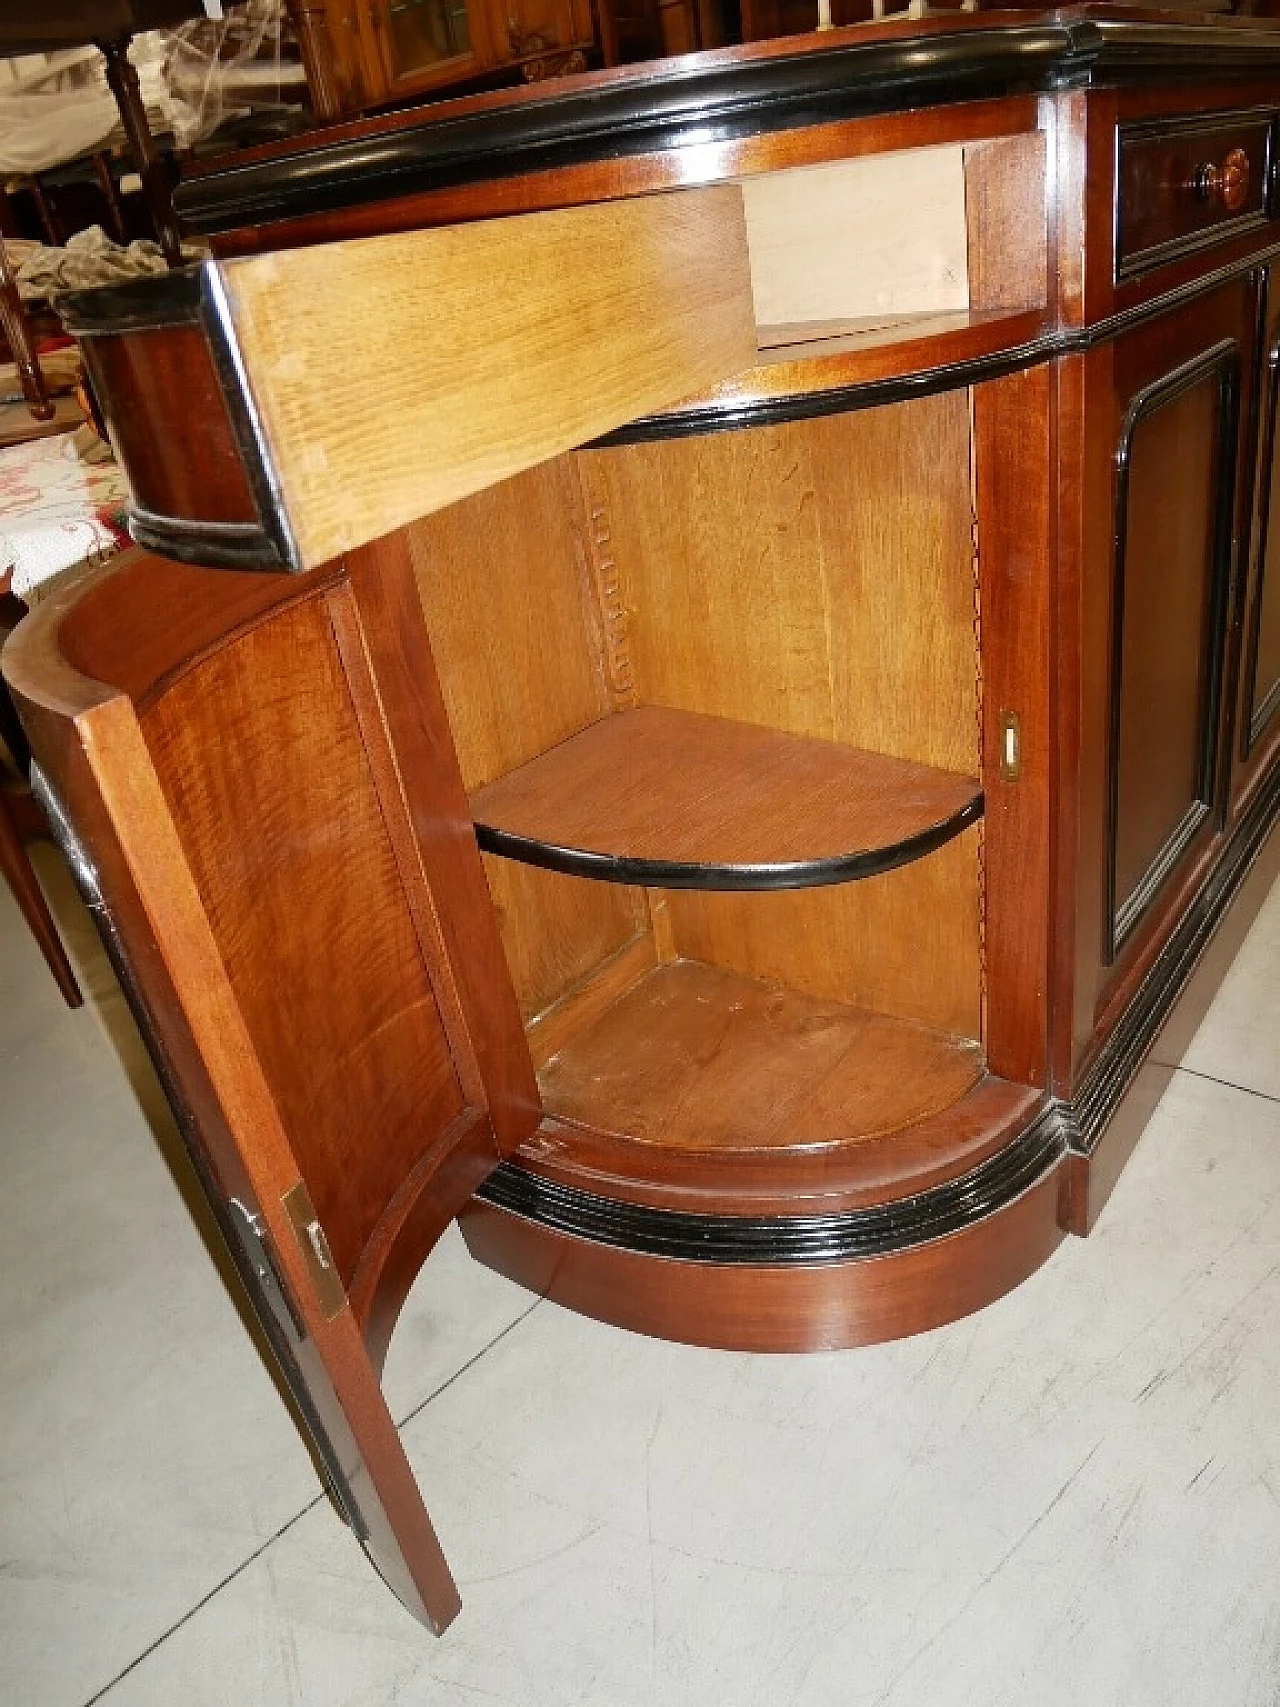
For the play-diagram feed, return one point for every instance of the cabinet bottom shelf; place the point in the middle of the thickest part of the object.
(696, 1058)
(736, 1164)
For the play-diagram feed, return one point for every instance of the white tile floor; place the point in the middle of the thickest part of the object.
(1073, 1497)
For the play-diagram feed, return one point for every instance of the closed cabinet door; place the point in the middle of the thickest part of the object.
(425, 44)
(536, 33)
(1258, 711)
(1164, 413)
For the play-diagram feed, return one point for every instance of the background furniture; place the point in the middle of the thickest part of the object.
(110, 26)
(367, 53)
(776, 713)
(55, 513)
(13, 323)
(20, 822)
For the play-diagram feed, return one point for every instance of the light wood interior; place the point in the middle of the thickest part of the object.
(493, 346)
(696, 1058)
(876, 235)
(898, 240)
(500, 344)
(758, 576)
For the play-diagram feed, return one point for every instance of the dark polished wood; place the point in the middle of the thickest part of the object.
(1187, 182)
(1014, 428)
(17, 335)
(1157, 571)
(1172, 581)
(820, 1308)
(141, 380)
(1257, 725)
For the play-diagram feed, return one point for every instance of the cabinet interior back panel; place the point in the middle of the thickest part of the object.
(763, 575)
(883, 234)
(557, 930)
(517, 646)
(511, 628)
(816, 578)
(905, 944)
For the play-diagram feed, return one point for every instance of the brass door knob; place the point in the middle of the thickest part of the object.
(1227, 184)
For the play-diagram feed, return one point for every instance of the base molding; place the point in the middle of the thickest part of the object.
(1119, 1092)
(815, 1307)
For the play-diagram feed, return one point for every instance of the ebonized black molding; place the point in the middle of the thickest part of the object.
(1061, 1127)
(1259, 711)
(133, 305)
(925, 382)
(679, 874)
(1122, 914)
(785, 1241)
(712, 100)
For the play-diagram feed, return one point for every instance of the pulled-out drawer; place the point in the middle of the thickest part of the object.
(1183, 184)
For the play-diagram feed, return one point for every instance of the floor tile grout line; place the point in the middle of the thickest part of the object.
(204, 1600)
(1227, 1084)
(470, 1363)
(297, 1517)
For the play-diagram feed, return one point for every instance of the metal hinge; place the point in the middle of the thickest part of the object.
(255, 1241)
(314, 1246)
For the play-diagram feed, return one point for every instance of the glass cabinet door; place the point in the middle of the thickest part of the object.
(422, 34)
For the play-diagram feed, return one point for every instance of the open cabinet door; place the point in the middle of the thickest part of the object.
(260, 802)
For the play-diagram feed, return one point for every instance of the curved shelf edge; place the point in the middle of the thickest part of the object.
(755, 877)
(686, 800)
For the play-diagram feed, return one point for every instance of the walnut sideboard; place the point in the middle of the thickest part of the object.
(759, 729)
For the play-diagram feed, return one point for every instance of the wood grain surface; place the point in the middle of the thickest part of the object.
(764, 576)
(876, 234)
(255, 748)
(1005, 213)
(515, 635)
(822, 1307)
(663, 786)
(694, 1057)
(397, 374)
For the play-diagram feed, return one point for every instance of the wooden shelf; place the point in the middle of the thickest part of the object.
(808, 361)
(676, 800)
(693, 1057)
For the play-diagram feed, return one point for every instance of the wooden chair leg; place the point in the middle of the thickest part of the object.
(21, 877)
(13, 322)
(157, 189)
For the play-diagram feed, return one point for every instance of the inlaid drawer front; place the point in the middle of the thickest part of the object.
(1183, 184)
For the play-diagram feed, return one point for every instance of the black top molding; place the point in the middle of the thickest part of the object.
(714, 99)
(160, 299)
